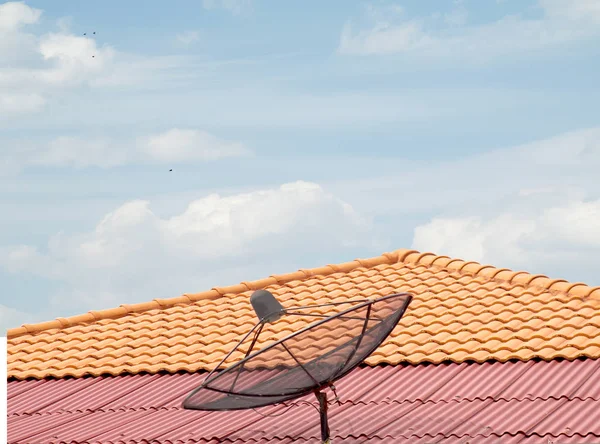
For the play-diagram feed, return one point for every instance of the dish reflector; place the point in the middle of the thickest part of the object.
(306, 360)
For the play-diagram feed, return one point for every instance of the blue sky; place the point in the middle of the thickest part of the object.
(299, 134)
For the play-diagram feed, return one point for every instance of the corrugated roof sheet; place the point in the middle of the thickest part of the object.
(461, 311)
(516, 402)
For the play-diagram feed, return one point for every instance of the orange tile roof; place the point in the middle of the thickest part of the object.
(460, 311)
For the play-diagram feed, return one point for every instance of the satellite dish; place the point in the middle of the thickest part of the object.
(307, 360)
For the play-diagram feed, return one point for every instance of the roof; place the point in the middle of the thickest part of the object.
(461, 311)
(516, 401)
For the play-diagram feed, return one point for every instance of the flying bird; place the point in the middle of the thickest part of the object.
(171, 169)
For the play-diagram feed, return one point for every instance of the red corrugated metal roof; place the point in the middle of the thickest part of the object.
(519, 402)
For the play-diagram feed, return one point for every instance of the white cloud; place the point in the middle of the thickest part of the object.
(14, 40)
(572, 226)
(177, 145)
(572, 149)
(133, 254)
(14, 15)
(543, 238)
(188, 37)
(24, 103)
(474, 239)
(575, 10)
(74, 59)
(233, 6)
(34, 68)
(49, 60)
(385, 39)
(561, 22)
(77, 152)
(171, 147)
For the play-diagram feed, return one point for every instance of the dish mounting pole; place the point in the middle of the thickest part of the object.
(322, 398)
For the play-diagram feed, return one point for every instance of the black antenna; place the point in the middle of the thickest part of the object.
(289, 368)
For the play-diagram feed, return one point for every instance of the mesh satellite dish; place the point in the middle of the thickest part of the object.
(309, 359)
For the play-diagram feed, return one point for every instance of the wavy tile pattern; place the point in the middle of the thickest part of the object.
(450, 403)
(461, 311)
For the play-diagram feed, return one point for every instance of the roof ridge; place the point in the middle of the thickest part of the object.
(472, 268)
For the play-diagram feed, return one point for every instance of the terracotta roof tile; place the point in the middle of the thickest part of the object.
(461, 311)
